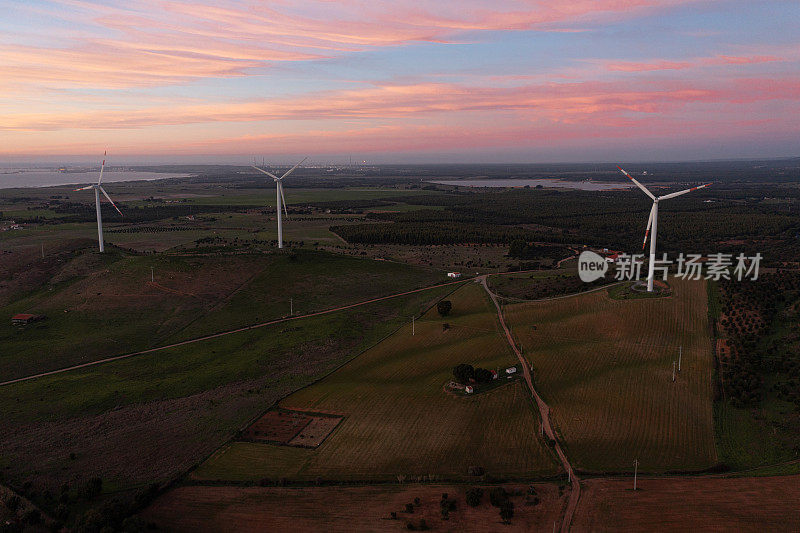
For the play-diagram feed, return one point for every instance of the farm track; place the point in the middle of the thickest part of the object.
(544, 411)
(222, 334)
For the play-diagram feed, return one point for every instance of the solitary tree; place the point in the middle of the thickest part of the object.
(444, 307)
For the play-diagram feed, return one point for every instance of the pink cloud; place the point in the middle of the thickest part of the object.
(557, 102)
(152, 43)
(630, 66)
(648, 66)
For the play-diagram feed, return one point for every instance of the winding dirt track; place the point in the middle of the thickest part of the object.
(544, 411)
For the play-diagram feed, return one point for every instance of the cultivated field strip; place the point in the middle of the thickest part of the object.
(398, 419)
(605, 368)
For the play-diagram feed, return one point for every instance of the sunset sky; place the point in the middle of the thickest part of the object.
(400, 81)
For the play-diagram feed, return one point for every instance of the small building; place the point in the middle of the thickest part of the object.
(454, 275)
(468, 389)
(511, 370)
(494, 374)
(23, 319)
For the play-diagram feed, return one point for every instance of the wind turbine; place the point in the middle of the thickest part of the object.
(653, 222)
(97, 190)
(281, 201)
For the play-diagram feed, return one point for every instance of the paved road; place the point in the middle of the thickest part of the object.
(544, 411)
(223, 333)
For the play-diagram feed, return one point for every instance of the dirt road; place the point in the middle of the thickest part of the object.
(544, 411)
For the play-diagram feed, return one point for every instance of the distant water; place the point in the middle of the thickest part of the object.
(47, 178)
(563, 184)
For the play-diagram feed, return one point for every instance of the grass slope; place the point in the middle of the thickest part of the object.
(399, 421)
(605, 368)
(151, 417)
(110, 307)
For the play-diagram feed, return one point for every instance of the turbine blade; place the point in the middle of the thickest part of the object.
(102, 167)
(102, 190)
(649, 225)
(283, 199)
(84, 188)
(270, 174)
(294, 167)
(674, 194)
(648, 193)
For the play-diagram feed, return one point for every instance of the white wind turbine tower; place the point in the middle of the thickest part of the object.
(653, 222)
(97, 190)
(281, 201)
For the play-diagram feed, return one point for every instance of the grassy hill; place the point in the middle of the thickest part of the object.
(605, 368)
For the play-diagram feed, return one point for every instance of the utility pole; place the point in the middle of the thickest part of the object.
(635, 472)
(291, 306)
(680, 356)
(413, 329)
(152, 275)
(673, 371)
(42, 250)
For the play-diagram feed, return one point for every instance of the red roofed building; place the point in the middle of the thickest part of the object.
(25, 318)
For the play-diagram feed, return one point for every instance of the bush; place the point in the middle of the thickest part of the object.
(62, 512)
(444, 307)
(475, 470)
(32, 517)
(482, 375)
(474, 496)
(409, 507)
(464, 373)
(507, 512)
(92, 488)
(497, 496)
(12, 502)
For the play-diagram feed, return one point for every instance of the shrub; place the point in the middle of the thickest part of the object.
(464, 373)
(32, 517)
(507, 512)
(61, 512)
(92, 488)
(497, 496)
(475, 470)
(444, 307)
(474, 496)
(482, 375)
(409, 507)
(12, 502)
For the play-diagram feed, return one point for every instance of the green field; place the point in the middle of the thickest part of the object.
(152, 416)
(605, 368)
(398, 419)
(98, 307)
